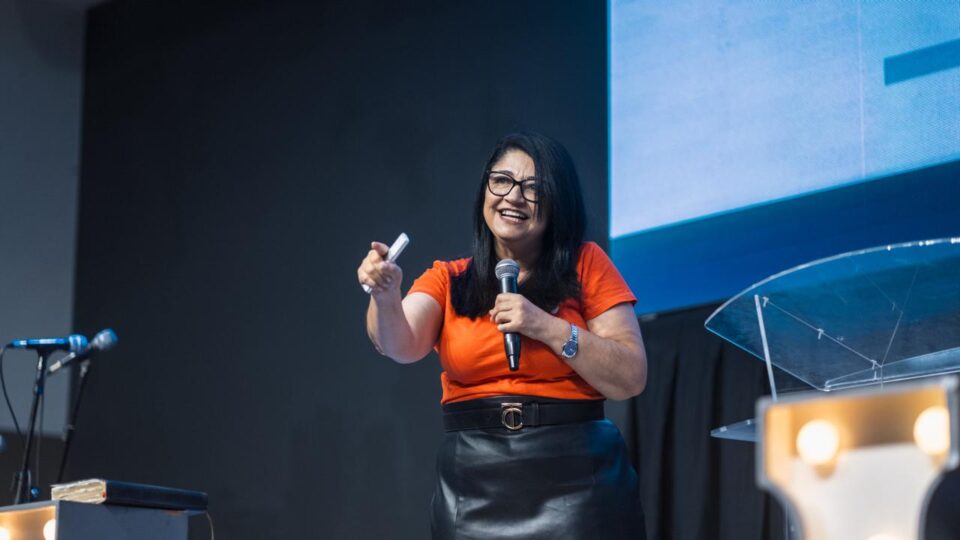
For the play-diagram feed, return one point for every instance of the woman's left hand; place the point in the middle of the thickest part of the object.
(514, 313)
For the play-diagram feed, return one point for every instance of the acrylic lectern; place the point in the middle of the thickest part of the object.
(867, 317)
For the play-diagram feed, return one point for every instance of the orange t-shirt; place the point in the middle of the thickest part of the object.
(471, 351)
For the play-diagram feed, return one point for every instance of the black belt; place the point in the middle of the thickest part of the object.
(517, 412)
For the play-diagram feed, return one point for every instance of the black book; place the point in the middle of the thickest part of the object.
(98, 491)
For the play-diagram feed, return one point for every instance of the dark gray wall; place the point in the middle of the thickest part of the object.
(238, 157)
(41, 66)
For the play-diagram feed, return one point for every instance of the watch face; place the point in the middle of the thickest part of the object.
(570, 347)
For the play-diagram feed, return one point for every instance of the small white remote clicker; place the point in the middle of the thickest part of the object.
(395, 250)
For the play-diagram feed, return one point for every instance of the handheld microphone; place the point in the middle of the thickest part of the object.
(104, 340)
(507, 271)
(74, 343)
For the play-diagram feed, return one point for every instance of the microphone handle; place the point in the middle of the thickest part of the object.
(511, 340)
(72, 343)
(62, 363)
(511, 345)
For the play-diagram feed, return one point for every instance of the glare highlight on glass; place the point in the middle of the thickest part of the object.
(931, 431)
(50, 530)
(4, 533)
(818, 442)
(882, 537)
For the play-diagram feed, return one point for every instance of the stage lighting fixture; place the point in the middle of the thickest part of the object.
(862, 463)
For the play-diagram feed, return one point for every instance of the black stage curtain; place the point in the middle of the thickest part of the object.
(695, 487)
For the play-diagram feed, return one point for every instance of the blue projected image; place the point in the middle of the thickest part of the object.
(721, 105)
(717, 107)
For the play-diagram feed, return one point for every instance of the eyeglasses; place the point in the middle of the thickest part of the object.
(501, 184)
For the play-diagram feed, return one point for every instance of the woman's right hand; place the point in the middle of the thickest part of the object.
(381, 276)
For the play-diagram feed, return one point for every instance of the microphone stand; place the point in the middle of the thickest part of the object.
(25, 492)
(72, 420)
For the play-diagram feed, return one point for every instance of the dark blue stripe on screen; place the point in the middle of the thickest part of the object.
(710, 260)
(921, 62)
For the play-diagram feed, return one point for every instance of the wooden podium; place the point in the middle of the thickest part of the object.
(63, 520)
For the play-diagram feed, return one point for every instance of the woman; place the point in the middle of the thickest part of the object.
(527, 453)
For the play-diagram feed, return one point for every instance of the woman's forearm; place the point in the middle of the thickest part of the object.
(616, 370)
(389, 329)
(616, 366)
(610, 355)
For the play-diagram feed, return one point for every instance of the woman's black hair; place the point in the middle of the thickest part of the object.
(553, 278)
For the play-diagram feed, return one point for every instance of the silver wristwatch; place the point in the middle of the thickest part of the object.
(572, 345)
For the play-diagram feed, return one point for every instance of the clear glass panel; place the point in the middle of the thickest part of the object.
(745, 431)
(882, 314)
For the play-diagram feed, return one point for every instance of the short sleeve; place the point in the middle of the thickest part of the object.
(601, 283)
(434, 281)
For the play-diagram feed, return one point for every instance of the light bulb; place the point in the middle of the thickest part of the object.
(50, 530)
(4, 533)
(931, 431)
(818, 442)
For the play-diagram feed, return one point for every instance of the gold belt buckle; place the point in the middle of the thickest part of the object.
(511, 415)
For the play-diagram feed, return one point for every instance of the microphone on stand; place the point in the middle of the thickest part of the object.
(105, 339)
(507, 271)
(74, 343)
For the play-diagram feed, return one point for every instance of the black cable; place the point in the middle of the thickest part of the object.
(71, 424)
(6, 397)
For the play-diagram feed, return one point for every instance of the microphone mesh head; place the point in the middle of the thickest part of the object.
(507, 267)
(104, 340)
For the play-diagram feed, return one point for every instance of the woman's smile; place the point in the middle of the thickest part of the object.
(513, 216)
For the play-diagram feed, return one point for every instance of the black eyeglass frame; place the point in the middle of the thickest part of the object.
(516, 183)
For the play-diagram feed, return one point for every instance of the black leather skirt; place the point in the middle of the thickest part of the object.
(566, 481)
